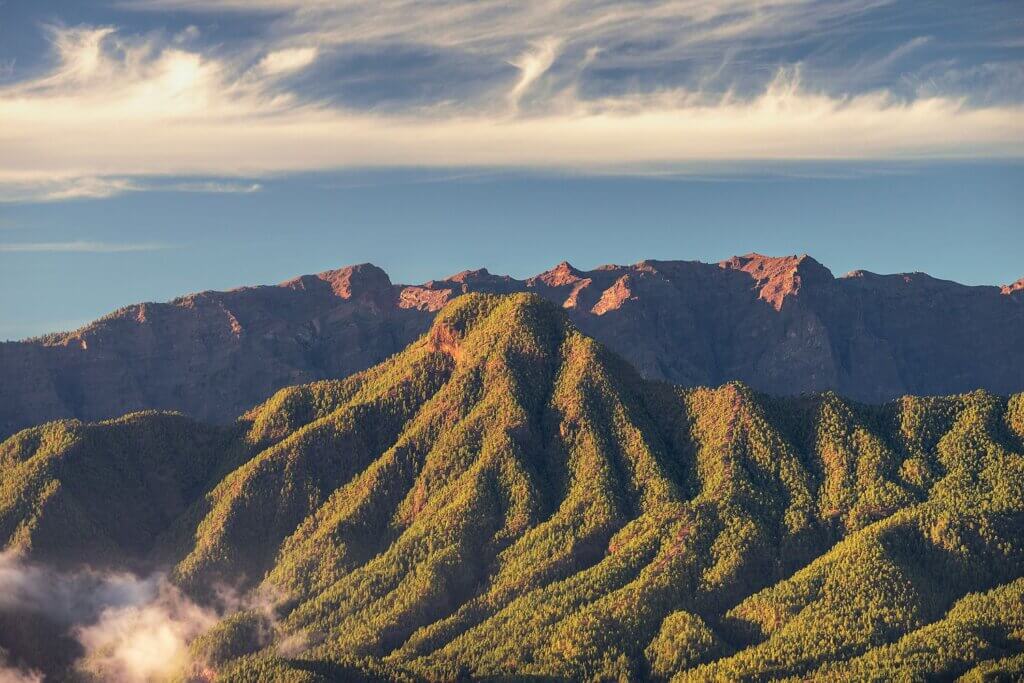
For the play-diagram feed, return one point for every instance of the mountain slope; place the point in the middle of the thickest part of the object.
(100, 494)
(782, 325)
(508, 498)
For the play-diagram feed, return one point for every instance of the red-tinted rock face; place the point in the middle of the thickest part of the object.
(783, 325)
(1015, 287)
(211, 354)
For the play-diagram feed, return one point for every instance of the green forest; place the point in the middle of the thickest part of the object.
(507, 500)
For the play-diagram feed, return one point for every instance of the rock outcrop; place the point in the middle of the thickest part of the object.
(783, 325)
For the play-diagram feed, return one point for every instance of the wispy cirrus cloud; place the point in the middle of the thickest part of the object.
(493, 26)
(206, 186)
(645, 45)
(55, 187)
(532, 64)
(574, 86)
(79, 247)
(61, 187)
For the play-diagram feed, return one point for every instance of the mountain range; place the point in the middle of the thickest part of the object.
(780, 325)
(506, 498)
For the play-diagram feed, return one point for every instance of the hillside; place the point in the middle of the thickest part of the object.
(780, 325)
(506, 498)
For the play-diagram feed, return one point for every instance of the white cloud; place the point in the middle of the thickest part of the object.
(78, 246)
(187, 35)
(59, 187)
(115, 110)
(80, 50)
(47, 188)
(132, 629)
(17, 674)
(288, 60)
(208, 186)
(532, 65)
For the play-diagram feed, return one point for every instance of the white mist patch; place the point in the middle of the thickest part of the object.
(293, 645)
(132, 629)
(67, 597)
(16, 674)
(146, 641)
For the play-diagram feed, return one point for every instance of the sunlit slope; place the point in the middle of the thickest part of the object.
(507, 498)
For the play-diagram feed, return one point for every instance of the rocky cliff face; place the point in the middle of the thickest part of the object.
(783, 325)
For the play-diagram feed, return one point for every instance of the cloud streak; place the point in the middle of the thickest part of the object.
(288, 60)
(532, 65)
(32, 187)
(78, 247)
(117, 112)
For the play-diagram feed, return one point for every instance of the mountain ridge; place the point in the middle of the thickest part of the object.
(507, 498)
(781, 324)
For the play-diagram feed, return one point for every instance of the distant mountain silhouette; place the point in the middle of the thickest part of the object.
(782, 325)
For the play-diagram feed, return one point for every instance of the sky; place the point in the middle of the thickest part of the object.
(150, 148)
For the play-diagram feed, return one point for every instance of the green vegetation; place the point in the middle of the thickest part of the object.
(507, 499)
(107, 493)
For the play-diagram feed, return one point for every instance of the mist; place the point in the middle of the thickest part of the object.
(128, 629)
(17, 674)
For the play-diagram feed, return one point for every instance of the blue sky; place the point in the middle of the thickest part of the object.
(152, 148)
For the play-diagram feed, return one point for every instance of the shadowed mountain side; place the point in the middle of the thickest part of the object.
(506, 498)
(102, 494)
(210, 355)
(781, 325)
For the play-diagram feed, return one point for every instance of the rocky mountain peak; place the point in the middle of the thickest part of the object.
(356, 281)
(479, 280)
(559, 276)
(779, 277)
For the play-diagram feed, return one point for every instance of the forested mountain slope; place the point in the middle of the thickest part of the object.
(782, 325)
(506, 498)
